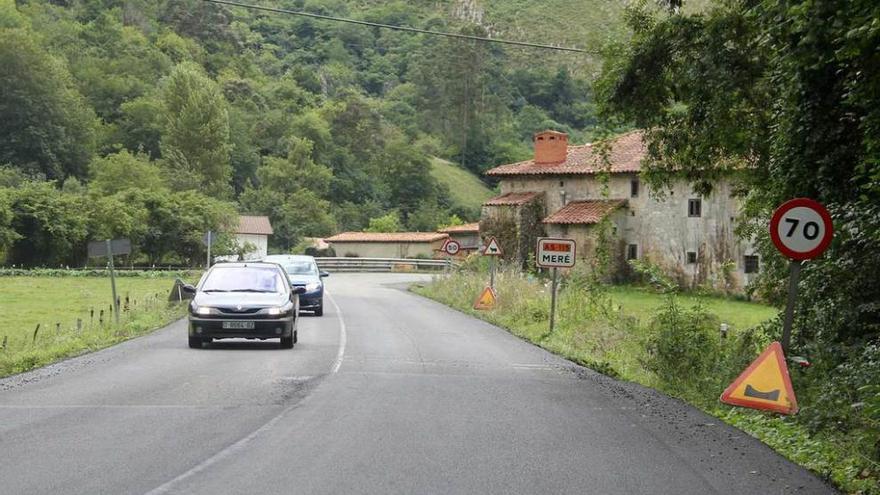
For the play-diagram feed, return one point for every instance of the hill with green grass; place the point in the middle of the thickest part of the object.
(466, 190)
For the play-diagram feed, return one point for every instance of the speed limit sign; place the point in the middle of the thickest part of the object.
(801, 229)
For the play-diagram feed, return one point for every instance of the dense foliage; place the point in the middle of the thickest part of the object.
(784, 94)
(321, 126)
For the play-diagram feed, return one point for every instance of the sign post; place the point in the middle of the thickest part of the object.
(492, 250)
(108, 248)
(209, 239)
(801, 229)
(555, 253)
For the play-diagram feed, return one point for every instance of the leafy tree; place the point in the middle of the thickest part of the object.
(45, 125)
(7, 234)
(390, 222)
(195, 143)
(51, 226)
(124, 170)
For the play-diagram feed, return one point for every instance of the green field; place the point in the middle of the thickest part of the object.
(465, 188)
(56, 303)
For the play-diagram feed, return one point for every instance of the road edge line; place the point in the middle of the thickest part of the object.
(343, 337)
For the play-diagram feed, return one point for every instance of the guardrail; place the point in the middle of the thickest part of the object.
(382, 264)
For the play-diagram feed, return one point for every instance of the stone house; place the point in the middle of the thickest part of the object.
(253, 232)
(570, 191)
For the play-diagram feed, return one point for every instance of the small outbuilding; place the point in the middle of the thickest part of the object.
(388, 244)
(468, 235)
(253, 231)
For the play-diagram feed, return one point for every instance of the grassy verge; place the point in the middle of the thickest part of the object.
(74, 316)
(614, 331)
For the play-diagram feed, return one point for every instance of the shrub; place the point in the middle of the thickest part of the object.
(682, 347)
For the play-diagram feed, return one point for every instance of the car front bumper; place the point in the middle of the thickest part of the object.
(311, 300)
(263, 329)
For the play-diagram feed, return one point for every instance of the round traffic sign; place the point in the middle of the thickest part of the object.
(801, 228)
(452, 247)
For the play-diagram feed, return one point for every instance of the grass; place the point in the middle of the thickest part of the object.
(465, 188)
(608, 330)
(55, 304)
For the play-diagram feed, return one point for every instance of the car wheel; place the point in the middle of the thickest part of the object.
(295, 337)
(195, 342)
(287, 342)
(319, 311)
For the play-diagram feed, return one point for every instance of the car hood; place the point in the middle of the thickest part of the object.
(233, 299)
(303, 279)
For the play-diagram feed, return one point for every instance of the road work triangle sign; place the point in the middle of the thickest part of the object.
(765, 384)
(486, 300)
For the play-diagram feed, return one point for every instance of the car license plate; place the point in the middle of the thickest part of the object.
(238, 325)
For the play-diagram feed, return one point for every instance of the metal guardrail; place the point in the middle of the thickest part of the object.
(382, 264)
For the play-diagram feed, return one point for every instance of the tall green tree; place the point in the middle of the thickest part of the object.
(45, 125)
(195, 143)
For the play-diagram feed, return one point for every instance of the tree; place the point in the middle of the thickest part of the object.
(45, 125)
(390, 222)
(51, 227)
(124, 170)
(195, 143)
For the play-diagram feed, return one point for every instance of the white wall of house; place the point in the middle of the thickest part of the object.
(387, 249)
(261, 242)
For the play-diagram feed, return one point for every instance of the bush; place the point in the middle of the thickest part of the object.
(683, 347)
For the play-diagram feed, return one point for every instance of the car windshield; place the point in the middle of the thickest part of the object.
(301, 268)
(244, 279)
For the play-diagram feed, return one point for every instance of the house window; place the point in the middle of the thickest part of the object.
(695, 207)
(562, 183)
(691, 257)
(632, 252)
(751, 263)
(634, 188)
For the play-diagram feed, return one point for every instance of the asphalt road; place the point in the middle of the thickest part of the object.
(387, 393)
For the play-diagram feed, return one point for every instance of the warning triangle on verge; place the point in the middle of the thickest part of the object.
(764, 385)
(486, 300)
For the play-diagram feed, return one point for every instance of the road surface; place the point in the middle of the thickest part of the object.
(387, 393)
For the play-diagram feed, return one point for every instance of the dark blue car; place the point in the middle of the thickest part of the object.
(303, 272)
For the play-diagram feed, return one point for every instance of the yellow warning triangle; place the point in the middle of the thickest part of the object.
(765, 384)
(486, 300)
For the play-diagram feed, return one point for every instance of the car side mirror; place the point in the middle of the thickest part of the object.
(324, 274)
(298, 290)
(188, 288)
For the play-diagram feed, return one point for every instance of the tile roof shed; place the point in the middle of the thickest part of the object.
(258, 225)
(584, 212)
(387, 237)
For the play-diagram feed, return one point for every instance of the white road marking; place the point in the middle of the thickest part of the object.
(235, 447)
(340, 354)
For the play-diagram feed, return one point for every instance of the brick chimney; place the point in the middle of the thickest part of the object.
(551, 147)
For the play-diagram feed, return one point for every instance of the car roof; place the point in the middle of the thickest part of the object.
(274, 258)
(245, 264)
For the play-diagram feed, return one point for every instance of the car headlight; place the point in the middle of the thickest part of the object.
(202, 310)
(280, 310)
(313, 286)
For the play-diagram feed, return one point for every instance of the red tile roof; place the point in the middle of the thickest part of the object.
(512, 198)
(584, 212)
(387, 237)
(254, 225)
(457, 229)
(627, 152)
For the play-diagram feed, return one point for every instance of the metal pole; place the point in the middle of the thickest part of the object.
(113, 279)
(553, 302)
(492, 272)
(210, 238)
(789, 308)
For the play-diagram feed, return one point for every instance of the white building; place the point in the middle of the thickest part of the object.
(253, 231)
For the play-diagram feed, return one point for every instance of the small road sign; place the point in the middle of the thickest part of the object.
(118, 247)
(492, 248)
(486, 300)
(555, 253)
(801, 229)
(451, 247)
(764, 385)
